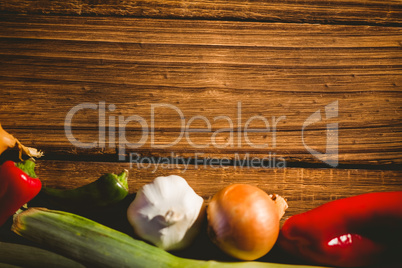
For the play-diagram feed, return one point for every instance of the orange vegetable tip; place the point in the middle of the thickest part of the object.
(7, 141)
(243, 220)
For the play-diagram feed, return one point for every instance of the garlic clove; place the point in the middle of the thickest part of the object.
(167, 213)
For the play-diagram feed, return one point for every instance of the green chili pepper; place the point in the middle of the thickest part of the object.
(108, 189)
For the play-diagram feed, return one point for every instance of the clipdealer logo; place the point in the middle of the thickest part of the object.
(330, 156)
(112, 133)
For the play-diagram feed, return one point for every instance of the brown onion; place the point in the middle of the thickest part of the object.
(8, 141)
(243, 220)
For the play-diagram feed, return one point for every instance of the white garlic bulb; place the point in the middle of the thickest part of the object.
(167, 213)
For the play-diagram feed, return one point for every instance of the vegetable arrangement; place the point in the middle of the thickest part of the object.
(243, 221)
(96, 245)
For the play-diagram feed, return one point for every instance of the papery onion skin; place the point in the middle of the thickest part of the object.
(243, 221)
(8, 141)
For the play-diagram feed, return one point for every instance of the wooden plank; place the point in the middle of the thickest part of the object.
(196, 32)
(281, 72)
(355, 146)
(310, 11)
(304, 188)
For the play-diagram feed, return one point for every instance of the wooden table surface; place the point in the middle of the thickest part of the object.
(213, 87)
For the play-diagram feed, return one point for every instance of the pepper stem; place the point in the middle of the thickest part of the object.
(28, 166)
(122, 178)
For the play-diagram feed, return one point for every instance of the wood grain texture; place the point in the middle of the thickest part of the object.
(282, 72)
(218, 61)
(310, 11)
(303, 188)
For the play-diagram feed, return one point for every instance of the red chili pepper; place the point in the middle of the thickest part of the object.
(351, 232)
(16, 187)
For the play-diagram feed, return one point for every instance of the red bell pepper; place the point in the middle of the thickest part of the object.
(351, 232)
(16, 187)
